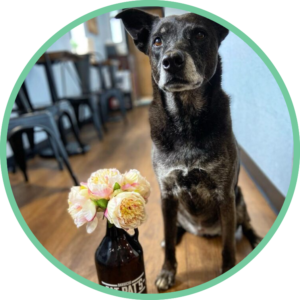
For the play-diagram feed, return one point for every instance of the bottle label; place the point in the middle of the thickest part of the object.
(136, 285)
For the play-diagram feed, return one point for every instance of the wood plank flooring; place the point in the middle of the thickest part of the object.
(43, 204)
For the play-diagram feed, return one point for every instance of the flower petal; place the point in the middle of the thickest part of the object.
(100, 191)
(91, 226)
(89, 210)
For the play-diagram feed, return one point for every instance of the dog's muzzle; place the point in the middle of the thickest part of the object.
(178, 72)
(173, 61)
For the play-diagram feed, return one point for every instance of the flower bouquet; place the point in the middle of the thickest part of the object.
(121, 199)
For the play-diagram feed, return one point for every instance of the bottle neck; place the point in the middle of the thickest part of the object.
(113, 231)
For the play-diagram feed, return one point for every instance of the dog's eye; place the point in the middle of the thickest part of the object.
(200, 35)
(157, 42)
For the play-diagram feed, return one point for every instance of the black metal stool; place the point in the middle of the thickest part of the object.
(46, 122)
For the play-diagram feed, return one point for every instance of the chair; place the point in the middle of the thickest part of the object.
(86, 99)
(24, 106)
(28, 121)
(59, 110)
(100, 97)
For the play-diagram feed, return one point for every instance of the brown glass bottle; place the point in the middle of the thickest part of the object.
(120, 262)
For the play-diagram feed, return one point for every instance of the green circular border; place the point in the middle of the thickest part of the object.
(280, 83)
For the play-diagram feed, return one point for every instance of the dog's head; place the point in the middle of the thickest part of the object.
(183, 50)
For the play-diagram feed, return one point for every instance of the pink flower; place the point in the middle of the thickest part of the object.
(82, 209)
(101, 183)
(134, 181)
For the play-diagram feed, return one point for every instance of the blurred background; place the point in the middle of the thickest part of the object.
(84, 106)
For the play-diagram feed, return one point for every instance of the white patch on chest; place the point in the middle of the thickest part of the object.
(194, 226)
(164, 171)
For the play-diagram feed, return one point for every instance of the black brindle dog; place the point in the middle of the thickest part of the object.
(195, 154)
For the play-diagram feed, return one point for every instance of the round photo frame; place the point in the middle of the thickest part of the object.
(276, 76)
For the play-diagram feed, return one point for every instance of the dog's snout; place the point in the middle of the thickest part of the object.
(173, 61)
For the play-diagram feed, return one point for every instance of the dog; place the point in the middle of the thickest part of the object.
(195, 154)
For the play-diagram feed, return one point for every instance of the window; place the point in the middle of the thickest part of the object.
(116, 28)
(79, 40)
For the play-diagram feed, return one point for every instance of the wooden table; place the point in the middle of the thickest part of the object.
(59, 56)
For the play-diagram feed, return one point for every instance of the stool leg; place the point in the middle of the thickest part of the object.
(101, 114)
(66, 161)
(55, 152)
(61, 129)
(64, 157)
(30, 136)
(121, 99)
(50, 127)
(76, 107)
(17, 147)
(13, 166)
(95, 116)
(103, 103)
(75, 129)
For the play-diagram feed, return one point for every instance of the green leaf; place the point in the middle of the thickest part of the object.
(116, 186)
(102, 203)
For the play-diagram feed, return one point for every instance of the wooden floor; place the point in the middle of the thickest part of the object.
(43, 204)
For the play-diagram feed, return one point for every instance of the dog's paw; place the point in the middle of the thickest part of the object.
(165, 280)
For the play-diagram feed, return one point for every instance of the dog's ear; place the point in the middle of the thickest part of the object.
(139, 25)
(222, 32)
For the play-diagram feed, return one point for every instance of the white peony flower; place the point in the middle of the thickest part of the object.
(134, 181)
(101, 183)
(82, 209)
(126, 210)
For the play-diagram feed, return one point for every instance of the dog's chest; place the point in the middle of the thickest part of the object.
(193, 186)
(196, 190)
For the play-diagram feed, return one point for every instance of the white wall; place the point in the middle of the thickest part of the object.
(260, 117)
(173, 11)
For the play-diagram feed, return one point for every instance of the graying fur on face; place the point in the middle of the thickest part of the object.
(190, 74)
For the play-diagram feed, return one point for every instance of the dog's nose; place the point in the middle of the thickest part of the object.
(173, 61)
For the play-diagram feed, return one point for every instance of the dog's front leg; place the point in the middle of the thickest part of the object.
(228, 223)
(166, 278)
